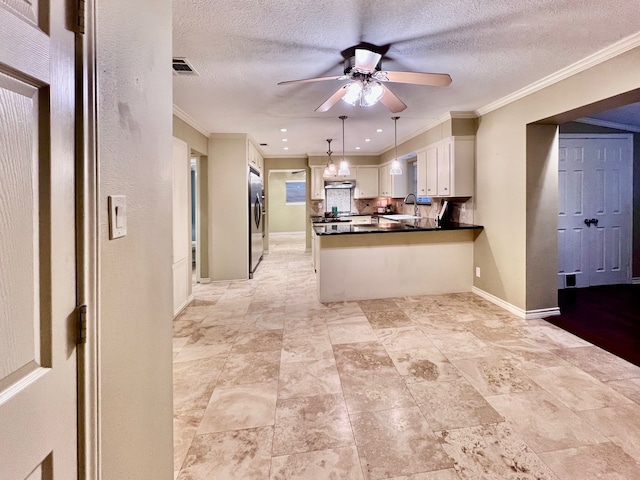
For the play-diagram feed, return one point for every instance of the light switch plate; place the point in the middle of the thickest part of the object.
(117, 216)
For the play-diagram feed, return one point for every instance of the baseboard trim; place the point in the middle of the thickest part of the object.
(204, 280)
(524, 314)
(184, 305)
(635, 281)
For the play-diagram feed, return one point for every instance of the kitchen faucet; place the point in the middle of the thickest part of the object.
(415, 203)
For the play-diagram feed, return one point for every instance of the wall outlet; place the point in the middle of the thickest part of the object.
(463, 208)
(478, 272)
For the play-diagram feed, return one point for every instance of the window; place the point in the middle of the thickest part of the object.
(296, 192)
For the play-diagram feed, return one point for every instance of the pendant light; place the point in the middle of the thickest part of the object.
(395, 165)
(344, 166)
(330, 169)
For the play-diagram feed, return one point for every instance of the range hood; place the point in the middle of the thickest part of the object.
(340, 184)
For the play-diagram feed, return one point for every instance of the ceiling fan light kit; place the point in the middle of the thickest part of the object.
(366, 82)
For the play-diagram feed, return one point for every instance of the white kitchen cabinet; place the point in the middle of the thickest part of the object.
(317, 183)
(394, 186)
(366, 182)
(254, 157)
(421, 174)
(450, 167)
(432, 171)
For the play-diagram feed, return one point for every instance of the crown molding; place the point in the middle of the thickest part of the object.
(618, 48)
(605, 123)
(185, 117)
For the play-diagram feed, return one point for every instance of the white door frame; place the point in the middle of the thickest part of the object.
(621, 136)
(88, 252)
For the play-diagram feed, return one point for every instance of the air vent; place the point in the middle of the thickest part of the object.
(181, 66)
(264, 145)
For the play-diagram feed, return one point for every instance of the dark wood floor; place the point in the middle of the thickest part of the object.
(607, 316)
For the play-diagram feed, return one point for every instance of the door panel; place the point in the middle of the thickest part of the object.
(595, 179)
(38, 402)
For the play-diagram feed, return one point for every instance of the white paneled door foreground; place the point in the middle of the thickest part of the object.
(38, 424)
(595, 208)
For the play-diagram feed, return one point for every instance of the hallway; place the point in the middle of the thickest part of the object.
(271, 384)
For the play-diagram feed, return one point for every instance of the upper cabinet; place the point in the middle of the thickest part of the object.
(366, 182)
(317, 183)
(254, 157)
(422, 174)
(446, 168)
(394, 186)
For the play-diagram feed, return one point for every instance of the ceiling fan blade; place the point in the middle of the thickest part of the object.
(418, 78)
(366, 60)
(316, 79)
(333, 99)
(391, 101)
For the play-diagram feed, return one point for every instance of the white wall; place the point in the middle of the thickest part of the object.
(135, 280)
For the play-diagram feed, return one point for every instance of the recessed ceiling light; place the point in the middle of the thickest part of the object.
(367, 139)
(357, 148)
(379, 130)
(285, 140)
(283, 130)
(286, 148)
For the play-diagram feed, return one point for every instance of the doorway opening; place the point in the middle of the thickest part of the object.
(286, 209)
(598, 260)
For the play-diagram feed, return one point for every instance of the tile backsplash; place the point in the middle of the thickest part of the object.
(459, 209)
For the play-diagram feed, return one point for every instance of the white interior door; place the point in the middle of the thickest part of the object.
(38, 402)
(594, 219)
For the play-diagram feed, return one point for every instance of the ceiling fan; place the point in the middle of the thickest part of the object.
(367, 80)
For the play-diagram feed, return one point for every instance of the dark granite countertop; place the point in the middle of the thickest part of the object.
(418, 225)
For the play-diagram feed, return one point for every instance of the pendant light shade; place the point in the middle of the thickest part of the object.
(344, 166)
(395, 165)
(330, 169)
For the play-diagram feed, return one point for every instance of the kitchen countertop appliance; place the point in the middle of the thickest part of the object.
(256, 220)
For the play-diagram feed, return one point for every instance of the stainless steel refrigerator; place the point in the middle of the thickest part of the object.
(256, 220)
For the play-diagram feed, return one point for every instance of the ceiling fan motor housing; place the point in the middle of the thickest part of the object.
(350, 63)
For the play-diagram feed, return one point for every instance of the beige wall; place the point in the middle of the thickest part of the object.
(198, 143)
(134, 134)
(282, 217)
(506, 206)
(228, 207)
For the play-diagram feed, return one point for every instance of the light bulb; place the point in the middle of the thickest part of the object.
(353, 93)
(395, 168)
(344, 168)
(371, 93)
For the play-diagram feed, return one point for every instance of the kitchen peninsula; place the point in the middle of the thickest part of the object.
(392, 258)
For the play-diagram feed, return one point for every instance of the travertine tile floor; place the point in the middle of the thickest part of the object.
(271, 384)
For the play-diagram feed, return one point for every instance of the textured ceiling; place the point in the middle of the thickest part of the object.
(491, 48)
